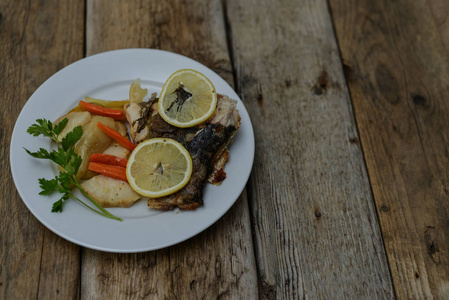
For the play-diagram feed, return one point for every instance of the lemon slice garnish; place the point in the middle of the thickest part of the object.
(159, 167)
(188, 98)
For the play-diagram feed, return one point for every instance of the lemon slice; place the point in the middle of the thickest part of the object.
(159, 167)
(136, 93)
(188, 98)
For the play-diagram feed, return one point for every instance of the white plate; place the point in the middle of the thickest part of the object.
(108, 75)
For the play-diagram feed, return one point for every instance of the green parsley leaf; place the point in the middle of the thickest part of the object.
(66, 157)
(48, 186)
(42, 153)
(60, 126)
(57, 206)
(65, 182)
(71, 138)
(43, 127)
(74, 164)
(59, 157)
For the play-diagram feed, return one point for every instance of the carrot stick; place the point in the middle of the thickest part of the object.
(117, 136)
(116, 172)
(116, 114)
(108, 159)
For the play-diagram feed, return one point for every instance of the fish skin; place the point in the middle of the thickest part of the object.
(206, 143)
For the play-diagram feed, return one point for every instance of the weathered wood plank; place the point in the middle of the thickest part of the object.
(37, 39)
(220, 261)
(440, 10)
(398, 74)
(316, 231)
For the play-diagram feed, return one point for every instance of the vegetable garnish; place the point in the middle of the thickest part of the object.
(108, 159)
(117, 136)
(116, 114)
(106, 103)
(68, 160)
(116, 172)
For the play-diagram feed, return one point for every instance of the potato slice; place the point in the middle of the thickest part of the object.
(110, 192)
(120, 127)
(117, 150)
(75, 118)
(94, 140)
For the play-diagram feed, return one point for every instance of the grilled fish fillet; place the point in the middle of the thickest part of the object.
(207, 144)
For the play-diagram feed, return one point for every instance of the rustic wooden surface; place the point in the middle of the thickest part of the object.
(315, 188)
(348, 197)
(398, 75)
(34, 262)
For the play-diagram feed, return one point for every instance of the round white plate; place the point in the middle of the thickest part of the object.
(108, 75)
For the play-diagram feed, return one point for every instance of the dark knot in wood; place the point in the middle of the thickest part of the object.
(354, 140)
(260, 99)
(429, 238)
(322, 84)
(384, 208)
(347, 70)
(419, 100)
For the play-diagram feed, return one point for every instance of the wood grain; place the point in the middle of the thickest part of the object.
(37, 39)
(397, 69)
(316, 231)
(440, 10)
(218, 263)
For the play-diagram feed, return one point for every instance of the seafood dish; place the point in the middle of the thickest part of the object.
(207, 144)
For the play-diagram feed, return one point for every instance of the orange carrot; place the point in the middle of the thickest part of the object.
(116, 172)
(116, 114)
(117, 136)
(108, 159)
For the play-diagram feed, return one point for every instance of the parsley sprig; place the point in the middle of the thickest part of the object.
(68, 160)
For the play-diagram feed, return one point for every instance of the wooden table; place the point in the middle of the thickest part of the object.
(348, 196)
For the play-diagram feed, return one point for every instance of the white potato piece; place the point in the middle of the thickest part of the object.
(117, 150)
(110, 192)
(94, 140)
(121, 128)
(75, 118)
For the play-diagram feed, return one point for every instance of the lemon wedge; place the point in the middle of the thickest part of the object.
(159, 167)
(188, 98)
(136, 92)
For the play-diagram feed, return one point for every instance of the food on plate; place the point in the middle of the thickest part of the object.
(106, 103)
(112, 171)
(116, 114)
(188, 98)
(136, 92)
(121, 128)
(117, 150)
(108, 159)
(137, 114)
(116, 136)
(110, 192)
(67, 160)
(94, 140)
(178, 143)
(75, 118)
(159, 167)
(207, 144)
(78, 139)
(101, 103)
